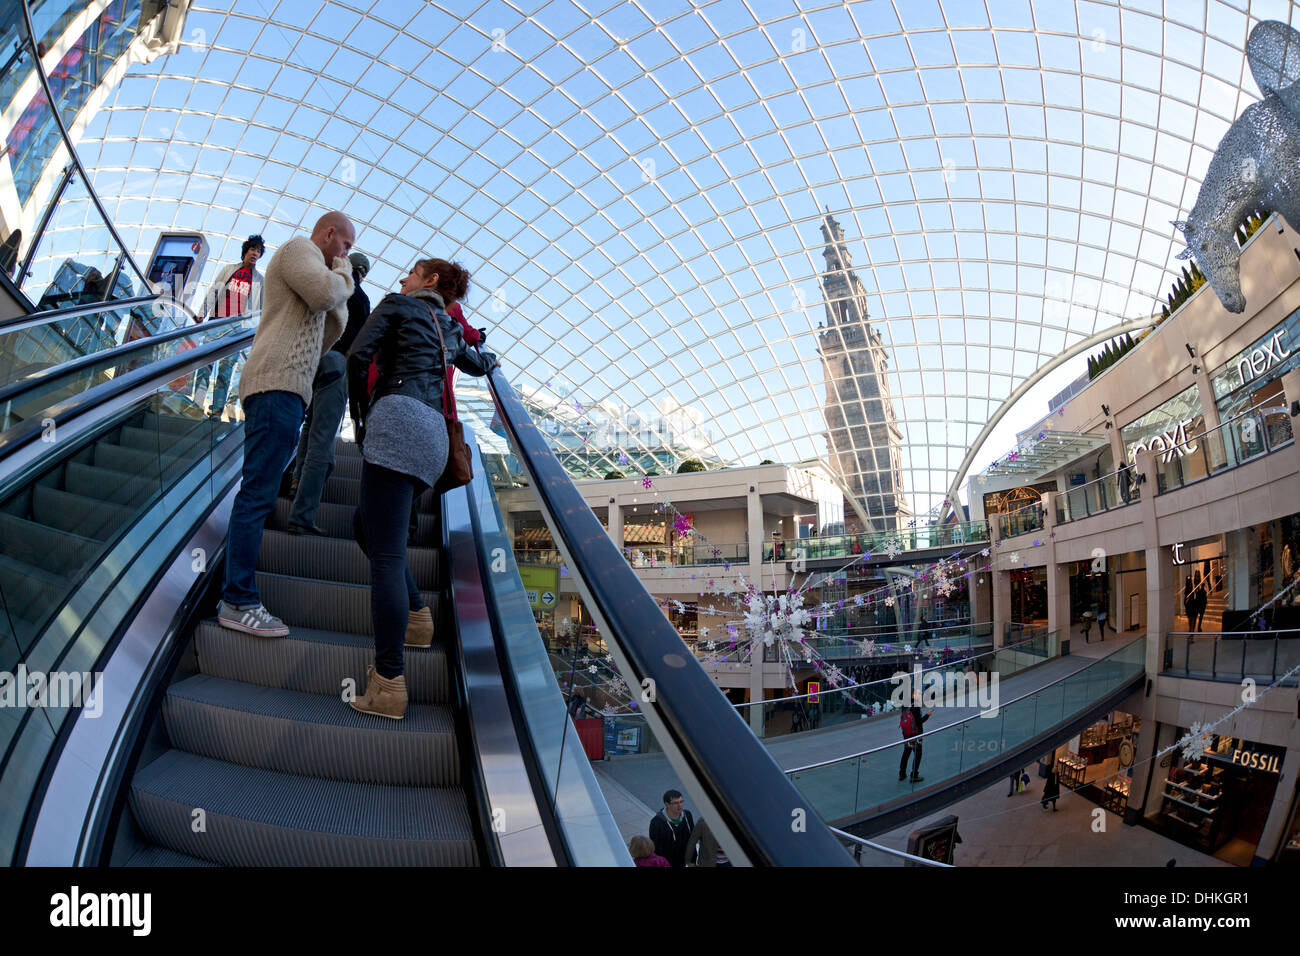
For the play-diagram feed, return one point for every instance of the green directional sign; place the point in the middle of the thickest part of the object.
(542, 585)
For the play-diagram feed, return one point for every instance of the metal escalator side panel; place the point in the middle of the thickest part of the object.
(568, 789)
(502, 785)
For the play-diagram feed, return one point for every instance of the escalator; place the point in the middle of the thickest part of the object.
(259, 737)
(206, 746)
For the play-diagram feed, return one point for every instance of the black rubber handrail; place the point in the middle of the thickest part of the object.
(770, 820)
(37, 319)
(30, 430)
(17, 388)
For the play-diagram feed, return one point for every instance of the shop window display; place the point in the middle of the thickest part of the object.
(1219, 802)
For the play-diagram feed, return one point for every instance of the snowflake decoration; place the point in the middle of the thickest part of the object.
(1015, 557)
(622, 458)
(889, 601)
(984, 553)
(893, 548)
(868, 648)
(859, 600)
(577, 407)
(1197, 741)
(591, 669)
(646, 482)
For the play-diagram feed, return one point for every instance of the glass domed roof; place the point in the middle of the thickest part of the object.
(640, 188)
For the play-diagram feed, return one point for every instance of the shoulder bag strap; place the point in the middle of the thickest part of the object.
(437, 327)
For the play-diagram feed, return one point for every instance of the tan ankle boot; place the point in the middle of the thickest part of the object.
(419, 628)
(384, 696)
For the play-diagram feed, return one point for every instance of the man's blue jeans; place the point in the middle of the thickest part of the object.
(316, 446)
(271, 423)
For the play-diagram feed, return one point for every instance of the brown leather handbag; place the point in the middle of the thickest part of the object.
(458, 470)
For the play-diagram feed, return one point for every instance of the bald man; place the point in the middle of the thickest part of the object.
(304, 301)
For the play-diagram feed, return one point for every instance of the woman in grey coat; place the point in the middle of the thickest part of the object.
(403, 437)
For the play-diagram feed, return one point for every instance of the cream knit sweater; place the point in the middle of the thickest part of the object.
(304, 311)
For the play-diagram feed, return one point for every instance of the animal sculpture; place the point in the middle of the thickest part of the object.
(1256, 166)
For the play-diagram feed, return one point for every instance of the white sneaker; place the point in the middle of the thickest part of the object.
(256, 620)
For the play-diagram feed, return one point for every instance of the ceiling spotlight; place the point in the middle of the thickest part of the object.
(1190, 350)
(1196, 370)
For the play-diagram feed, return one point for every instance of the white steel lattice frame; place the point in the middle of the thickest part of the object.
(638, 186)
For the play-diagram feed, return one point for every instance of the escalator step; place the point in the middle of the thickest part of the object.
(314, 661)
(337, 520)
(142, 439)
(334, 559)
(256, 817)
(30, 592)
(80, 515)
(347, 491)
(138, 462)
(59, 552)
(160, 856)
(347, 466)
(311, 734)
(174, 424)
(113, 487)
(303, 602)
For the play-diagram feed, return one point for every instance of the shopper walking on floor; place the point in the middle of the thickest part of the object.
(671, 829)
(329, 400)
(1052, 789)
(912, 723)
(403, 437)
(307, 283)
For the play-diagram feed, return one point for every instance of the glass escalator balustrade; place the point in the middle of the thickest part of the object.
(77, 532)
(34, 355)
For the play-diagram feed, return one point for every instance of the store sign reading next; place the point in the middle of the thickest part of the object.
(1263, 358)
(1170, 442)
(1256, 761)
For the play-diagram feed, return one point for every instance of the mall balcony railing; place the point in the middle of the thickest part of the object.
(1015, 631)
(686, 555)
(1115, 490)
(845, 705)
(1024, 520)
(854, 785)
(851, 545)
(850, 644)
(550, 558)
(1232, 656)
(1250, 435)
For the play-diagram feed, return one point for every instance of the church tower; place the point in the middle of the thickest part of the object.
(862, 433)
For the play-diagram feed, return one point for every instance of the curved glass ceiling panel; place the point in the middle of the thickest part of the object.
(641, 190)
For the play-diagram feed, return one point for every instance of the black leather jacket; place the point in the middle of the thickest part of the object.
(401, 335)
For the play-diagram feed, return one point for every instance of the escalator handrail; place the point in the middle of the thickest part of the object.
(31, 429)
(731, 775)
(37, 319)
(17, 388)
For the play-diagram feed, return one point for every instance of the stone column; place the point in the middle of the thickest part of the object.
(754, 533)
(616, 523)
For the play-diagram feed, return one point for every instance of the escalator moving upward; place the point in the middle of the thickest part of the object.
(261, 740)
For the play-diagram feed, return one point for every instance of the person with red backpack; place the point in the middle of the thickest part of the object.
(912, 723)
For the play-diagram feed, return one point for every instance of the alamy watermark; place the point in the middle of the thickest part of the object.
(58, 689)
(946, 689)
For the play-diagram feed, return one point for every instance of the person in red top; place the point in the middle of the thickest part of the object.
(643, 852)
(237, 290)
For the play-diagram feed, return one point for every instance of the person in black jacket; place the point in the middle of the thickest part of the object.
(670, 829)
(911, 746)
(403, 437)
(329, 399)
